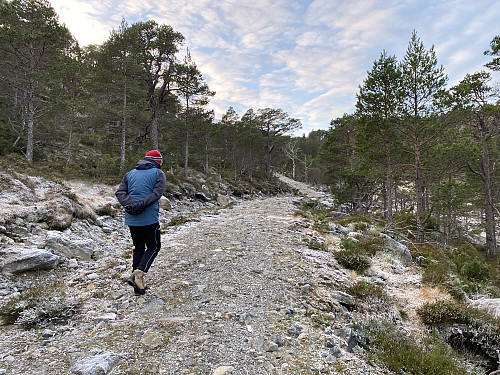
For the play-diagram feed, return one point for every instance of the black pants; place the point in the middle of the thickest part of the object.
(147, 244)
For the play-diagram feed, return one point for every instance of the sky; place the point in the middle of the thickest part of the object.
(306, 57)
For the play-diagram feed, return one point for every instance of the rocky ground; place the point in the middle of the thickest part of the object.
(234, 290)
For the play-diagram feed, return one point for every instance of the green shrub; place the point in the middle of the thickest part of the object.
(370, 296)
(353, 260)
(354, 219)
(464, 254)
(347, 243)
(370, 245)
(429, 251)
(355, 254)
(405, 219)
(309, 205)
(445, 313)
(436, 274)
(402, 354)
(476, 271)
(90, 139)
(360, 227)
(38, 307)
(321, 224)
(315, 245)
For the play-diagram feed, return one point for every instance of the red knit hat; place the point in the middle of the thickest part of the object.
(155, 155)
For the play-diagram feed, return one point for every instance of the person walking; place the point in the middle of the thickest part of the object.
(139, 193)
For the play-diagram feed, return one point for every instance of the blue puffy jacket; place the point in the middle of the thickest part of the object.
(142, 186)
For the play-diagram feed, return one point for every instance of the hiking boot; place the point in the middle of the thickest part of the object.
(139, 279)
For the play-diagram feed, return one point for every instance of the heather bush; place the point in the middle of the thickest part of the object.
(436, 274)
(370, 297)
(353, 260)
(401, 353)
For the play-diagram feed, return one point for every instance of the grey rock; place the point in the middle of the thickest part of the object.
(222, 200)
(398, 248)
(489, 305)
(271, 347)
(27, 259)
(152, 340)
(352, 236)
(105, 317)
(343, 297)
(223, 370)
(305, 289)
(69, 246)
(189, 189)
(336, 352)
(98, 365)
(46, 333)
(60, 213)
(156, 305)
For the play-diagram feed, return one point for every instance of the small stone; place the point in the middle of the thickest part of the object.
(336, 352)
(278, 340)
(272, 347)
(201, 339)
(223, 370)
(228, 290)
(47, 333)
(105, 317)
(152, 340)
(305, 288)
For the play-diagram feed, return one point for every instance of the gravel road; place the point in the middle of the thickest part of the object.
(236, 291)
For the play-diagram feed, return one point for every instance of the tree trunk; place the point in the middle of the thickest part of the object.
(419, 186)
(206, 156)
(388, 187)
(154, 126)
(70, 142)
(124, 125)
(186, 155)
(489, 210)
(269, 150)
(31, 120)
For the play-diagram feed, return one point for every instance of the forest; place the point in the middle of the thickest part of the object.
(419, 153)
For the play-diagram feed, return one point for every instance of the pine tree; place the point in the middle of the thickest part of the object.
(422, 82)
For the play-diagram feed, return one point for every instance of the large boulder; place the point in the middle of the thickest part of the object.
(20, 259)
(489, 305)
(398, 248)
(71, 247)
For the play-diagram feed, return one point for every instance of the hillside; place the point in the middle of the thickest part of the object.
(238, 287)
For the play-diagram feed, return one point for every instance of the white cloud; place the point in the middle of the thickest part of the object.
(82, 18)
(306, 57)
